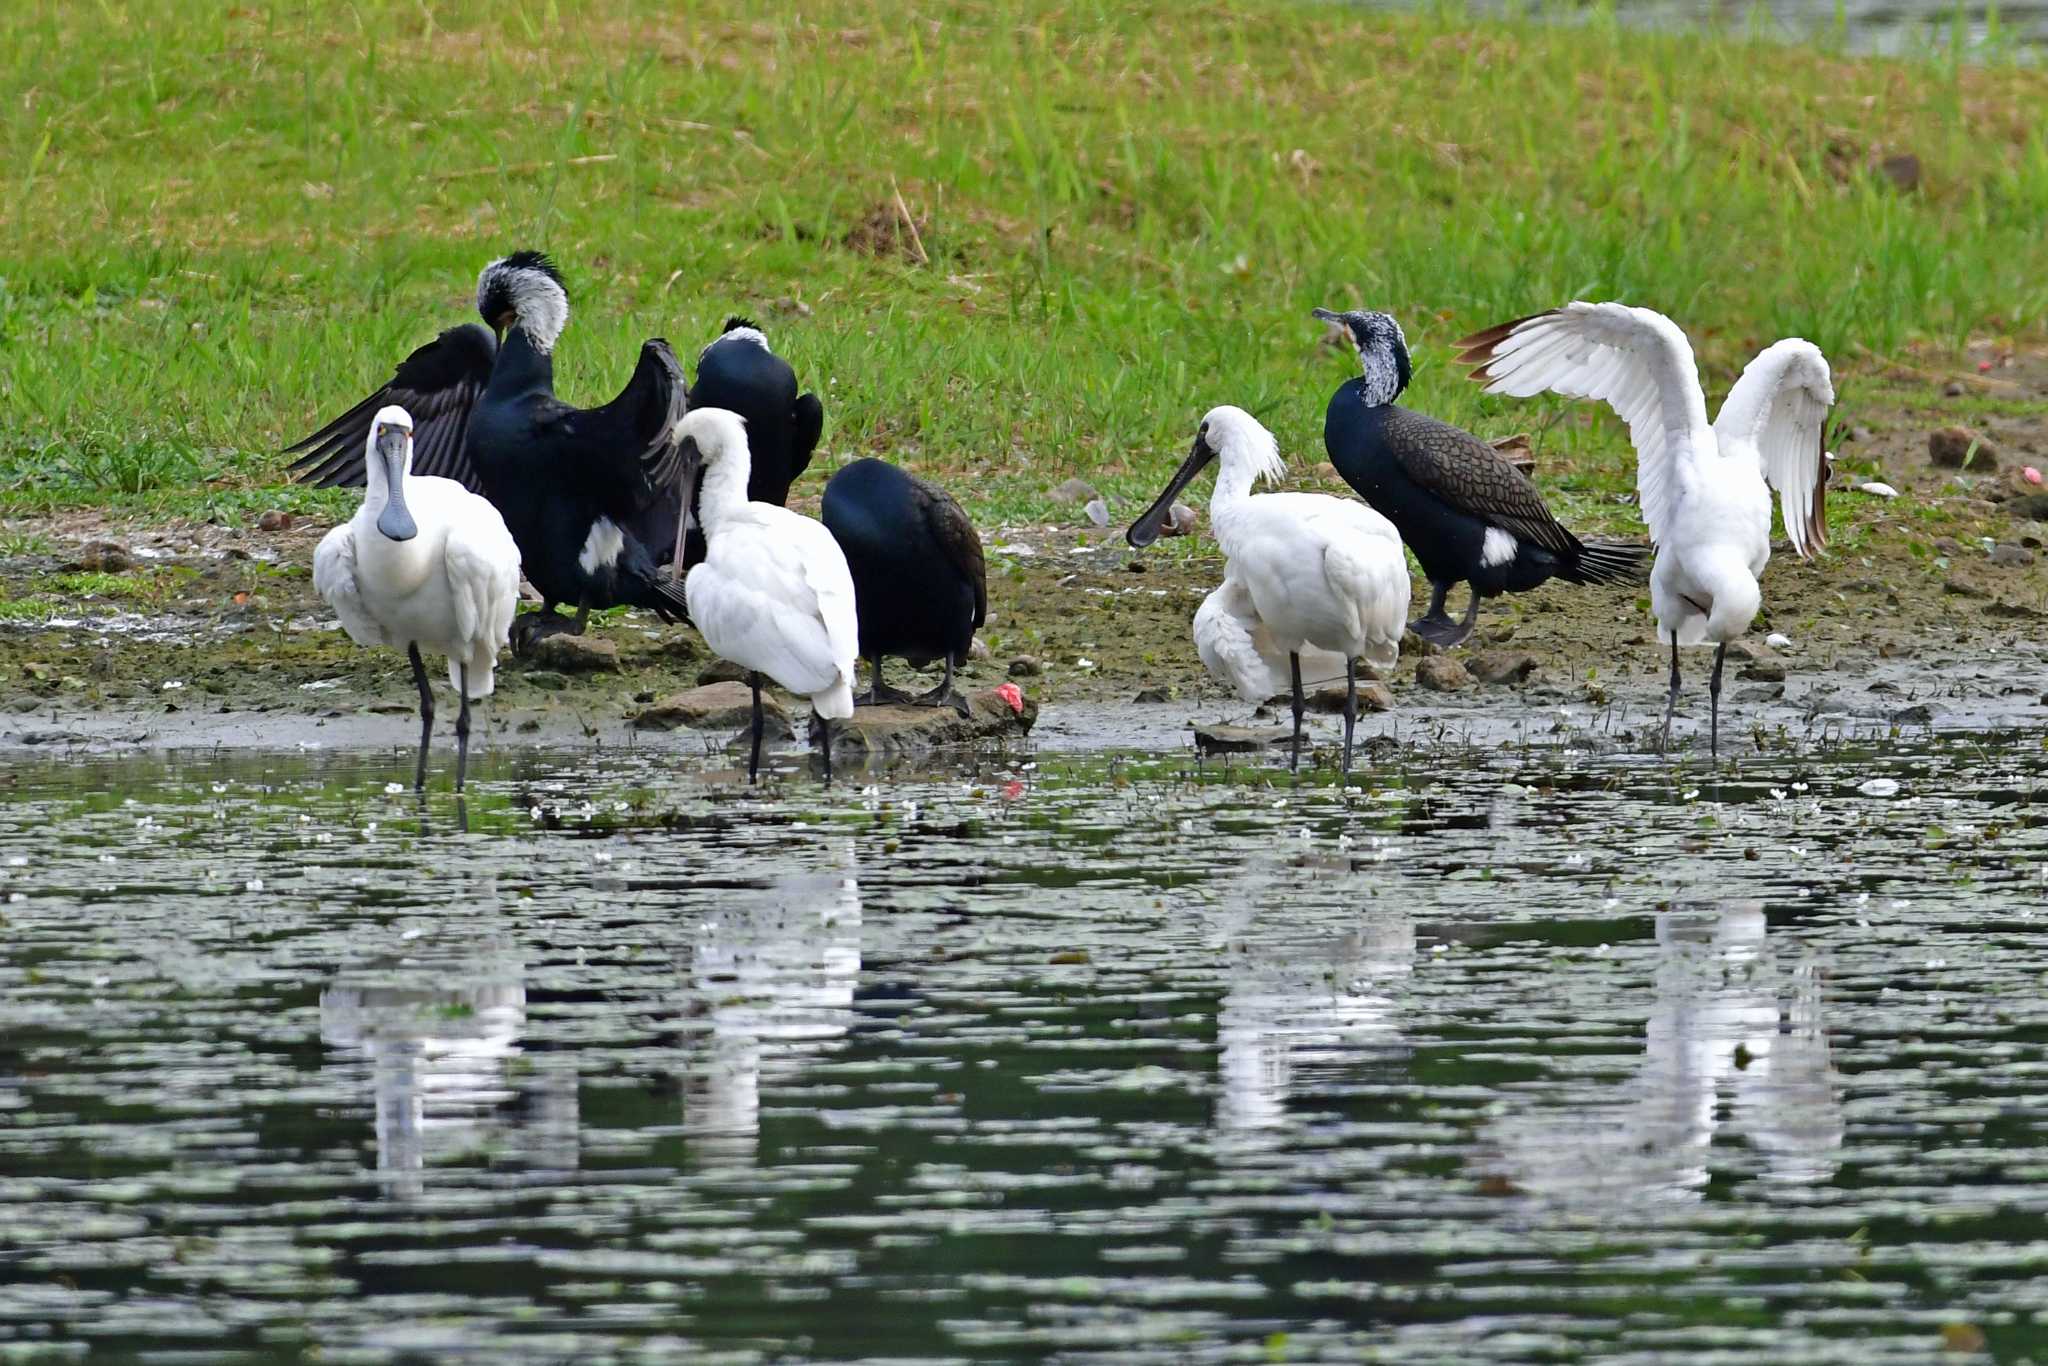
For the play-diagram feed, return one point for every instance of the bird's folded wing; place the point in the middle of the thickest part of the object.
(1475, 478)
(1780, 405)
(1633, 359)
(948, 524)
(334, 579)
(806, 426)
(1225, 630)
(483, 570)
(439, 385)
(629, 455)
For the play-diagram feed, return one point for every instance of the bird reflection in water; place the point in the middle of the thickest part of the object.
(768, 986)
(1733, 1045)
(1305, 1000)
(438, 1059)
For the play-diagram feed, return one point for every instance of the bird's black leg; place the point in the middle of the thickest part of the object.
(419, 677)
(1671, 702)
(875, 685)
(462, 729)
(946, 695)
(754, 762)
(1350, 710)
(1435, 615)
(1300, 706)
(1437, 628)
(1714, 702)
(825, 731)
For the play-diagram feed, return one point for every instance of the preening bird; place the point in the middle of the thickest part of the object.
(424, 564)
(1468, 514)
(574, 485)
(1239, 651)
(1320, 572)
(1705, 491)
(919, 581)
(738, 372)
(773, 593)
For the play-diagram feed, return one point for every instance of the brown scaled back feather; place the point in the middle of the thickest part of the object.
(1477, 349)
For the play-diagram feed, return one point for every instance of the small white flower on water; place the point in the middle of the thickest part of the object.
(1933, 963)
(1799, 787)
(393, 789)
(1879, 787)
(533, 812)
(1439, 948)
(15, 898)
(602, 856)
(1690, 794)
(219, 788)
(106, 858)
(17, 861)
(173, 684)
(254, 884)
(1777, 794)
(1777, 640)
(1084, 663)
(1599, 950)
(1861, 923)
(1863, 898)
(1280, 805)
(411, 934)
(101, 981)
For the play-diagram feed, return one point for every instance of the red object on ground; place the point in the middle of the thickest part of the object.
(1012, 694)
(2033, 476)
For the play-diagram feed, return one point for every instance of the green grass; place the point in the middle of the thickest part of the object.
(220, 223)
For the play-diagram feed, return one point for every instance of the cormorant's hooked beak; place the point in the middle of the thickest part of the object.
(688, 472)
(1145, 530)
(394, 522)
(1327, 315)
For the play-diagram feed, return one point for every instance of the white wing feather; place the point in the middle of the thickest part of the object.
(775, 597)
(334, 579)
(1779, 407)
(482, 564)
(1635, 360)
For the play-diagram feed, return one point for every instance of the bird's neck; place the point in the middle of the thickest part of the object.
(724, 491)
(387, 567)
(523, 365)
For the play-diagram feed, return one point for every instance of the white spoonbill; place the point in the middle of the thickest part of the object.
(1321, 572)
(1239, 651)
(773, 593)
(424, 563)
(1705, 491)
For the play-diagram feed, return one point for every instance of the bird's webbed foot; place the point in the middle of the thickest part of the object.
(946, 695)
(1440, 631)
(531, 628)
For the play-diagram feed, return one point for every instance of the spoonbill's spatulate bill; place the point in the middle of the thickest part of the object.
(919, 580)
(773, 594)
(1319, 571)
(1468, 514)
(571, 483)
(424, 564)
(1705, 491)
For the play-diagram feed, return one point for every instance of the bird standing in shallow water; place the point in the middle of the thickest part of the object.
(919, 580)
(574, 485)
(773, 594)
(1319, 571)
(1705, 491)
(1468, 514)
(423, 563)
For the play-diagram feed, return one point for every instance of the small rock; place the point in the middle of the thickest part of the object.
(711, 706)
(1948, 545)
(2028, 507)
(39, 673)
(1025, 666)
(104, 557)
(1519, 452)
(1917, 715)
(1762, 692)
(977, 649)
(1441, 673)
(547, 680)
(1136, 567)
(1098, 512)
(577, 654)
(1763, 671)
(2011, 611)
(1902, 169)
(1893, 647)
(2011, 557)
(1744, 650)
(720, 671)
(1150, 696)
(1371, 697)
(1074, 491)
(1962, 588)
(1221, 739)
(1951, 447)
(275, 519)
(680, 646)
(1180, 521)
(1953, 389)
(1510, 667)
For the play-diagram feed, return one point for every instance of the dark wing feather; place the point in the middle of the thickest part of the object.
(631, 454)
(950, 527)
(806, 425)
(439, 385)
(1475, 478)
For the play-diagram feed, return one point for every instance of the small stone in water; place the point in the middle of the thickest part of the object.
(1879, 787)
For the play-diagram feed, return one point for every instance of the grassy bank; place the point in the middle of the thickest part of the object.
(218, 223)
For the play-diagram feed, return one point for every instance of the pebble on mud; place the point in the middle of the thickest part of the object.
(1371, 697)
(1950, 447)
(1509, 667)
(1073, 491)
(1098, 511)
(1153, 696)
(720, 671)
(1222, 739)
(577, 654)
(2011, 557)
(1180, 521)
(274, 519)
(711, 706)
(2028, 507)
(1763, 671)
(1441, 673)
(547, 680)
(899, 729)
(1025, 666)
(103, 557)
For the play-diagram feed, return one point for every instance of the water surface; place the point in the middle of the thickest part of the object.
(1517, 1055)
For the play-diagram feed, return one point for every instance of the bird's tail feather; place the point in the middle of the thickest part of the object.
(668, 601)
(1610, 562)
